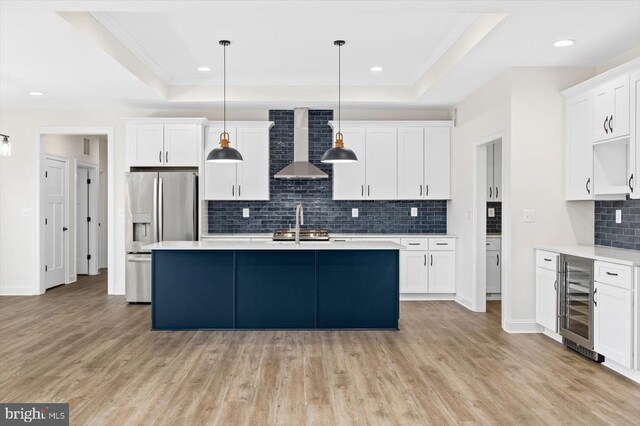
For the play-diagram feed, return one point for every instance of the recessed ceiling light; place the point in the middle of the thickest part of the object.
(376, 69)
(564, 43)
(36, 93)
(204, 69)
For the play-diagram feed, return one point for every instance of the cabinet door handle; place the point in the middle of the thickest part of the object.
(414, 244)
(159, 156)
(233, 190)
(547, 259)
(496, 192)
(611, 124)
(368, 190)
(421, 190)
(425, 260)
(606, 129)
(442, 244)
(555, 285)
(612, 274)
(586, 185)
(431, 256)
(362, 190)
(631, 180)
(497, 260)
(239, 190)
(427, 192)
(490, 192)
(166, 156)
(595, 302)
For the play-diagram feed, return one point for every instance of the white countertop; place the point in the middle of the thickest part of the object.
(335, 235)
(605, 254)
(273, 245)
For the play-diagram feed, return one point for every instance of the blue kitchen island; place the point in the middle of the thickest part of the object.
(274, 285)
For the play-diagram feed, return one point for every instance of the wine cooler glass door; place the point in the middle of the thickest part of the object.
(576, 319)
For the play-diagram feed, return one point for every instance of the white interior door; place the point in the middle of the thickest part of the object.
(82, 226)
(55, 194)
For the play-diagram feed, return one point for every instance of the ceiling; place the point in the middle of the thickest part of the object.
(99, 54)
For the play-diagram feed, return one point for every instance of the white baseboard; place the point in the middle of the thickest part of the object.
(413, 297)
(72, 279)
(522, 326)
(626, 372)
(555, 336)
(464, 302)
(494, 296)
(16, 291)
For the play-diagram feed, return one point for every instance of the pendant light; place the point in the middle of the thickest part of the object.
(339, 154)
(224, 154)
(5, 146)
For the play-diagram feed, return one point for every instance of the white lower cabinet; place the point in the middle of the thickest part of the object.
(613, 320)
(442, 272)
(413, 272)
(430, 271)
(547, 298)
(493, 271)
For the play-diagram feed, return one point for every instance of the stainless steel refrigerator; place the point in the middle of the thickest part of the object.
(160, 206)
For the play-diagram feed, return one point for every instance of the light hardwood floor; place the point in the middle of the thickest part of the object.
(445, 366)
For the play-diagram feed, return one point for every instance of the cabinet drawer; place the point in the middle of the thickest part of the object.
(547, 260)
(415, 243)
(442, 244)
(493, 243)
(616, 275)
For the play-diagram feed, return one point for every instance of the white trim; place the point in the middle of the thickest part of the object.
(166, 120)
(38, 278)
(15, 290)
(92, 210)
(552, 334)
(67, 209)
(620, 369)
(463, 301)
(522, 326)
(417, 297)
(394, 123)
(599, 79)
(259, 124)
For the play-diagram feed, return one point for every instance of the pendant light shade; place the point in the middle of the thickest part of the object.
(339, 154)
(224, 154)
(5, 146)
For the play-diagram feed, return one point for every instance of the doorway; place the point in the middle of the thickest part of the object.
(56, 221)
(87, 201)
(490, 234)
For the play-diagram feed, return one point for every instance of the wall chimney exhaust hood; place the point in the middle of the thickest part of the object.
(301, 168)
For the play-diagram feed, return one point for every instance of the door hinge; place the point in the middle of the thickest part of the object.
(88, 257)
(88, 181)
(46, 268)
(88, 219)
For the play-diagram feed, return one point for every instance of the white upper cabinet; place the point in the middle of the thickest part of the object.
(181, 147)
(611, 109)
(578, 148)
(156, 144)
(381, 163)
(248, 180)
(411, 160)
(437, 170)
(145, 145)
(253, 172)
(634, 127)
(349, 180)
(494, 171)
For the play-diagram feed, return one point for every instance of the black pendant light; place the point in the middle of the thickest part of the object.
(224, 154)
(339, 154)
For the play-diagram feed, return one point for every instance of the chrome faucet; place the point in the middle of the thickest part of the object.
(299, 221)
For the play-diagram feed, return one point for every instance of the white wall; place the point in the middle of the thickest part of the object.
(525, 104)
(18, 271)
(71, 147)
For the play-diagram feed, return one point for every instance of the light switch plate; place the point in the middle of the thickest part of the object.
(245, 212)
(354, 212)
(618, 216)
(529, 215)
(414, 211)
(491, 212)
(26, 213)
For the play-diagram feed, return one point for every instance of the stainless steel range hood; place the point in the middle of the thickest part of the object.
(301, 168)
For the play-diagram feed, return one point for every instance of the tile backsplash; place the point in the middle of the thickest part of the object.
(624, 235)
(320, 211)
(494, 224)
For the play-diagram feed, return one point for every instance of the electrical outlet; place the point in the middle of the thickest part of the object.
(618, 216)
(245, 212)
(529, 215)
(491, 212)
(354, 212)
(414, 211)
(26, 213)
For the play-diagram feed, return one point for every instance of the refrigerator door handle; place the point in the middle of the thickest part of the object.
(156, 228)
(160, 209)
(195, 208)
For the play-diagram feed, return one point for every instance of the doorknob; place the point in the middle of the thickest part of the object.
(64, 228)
